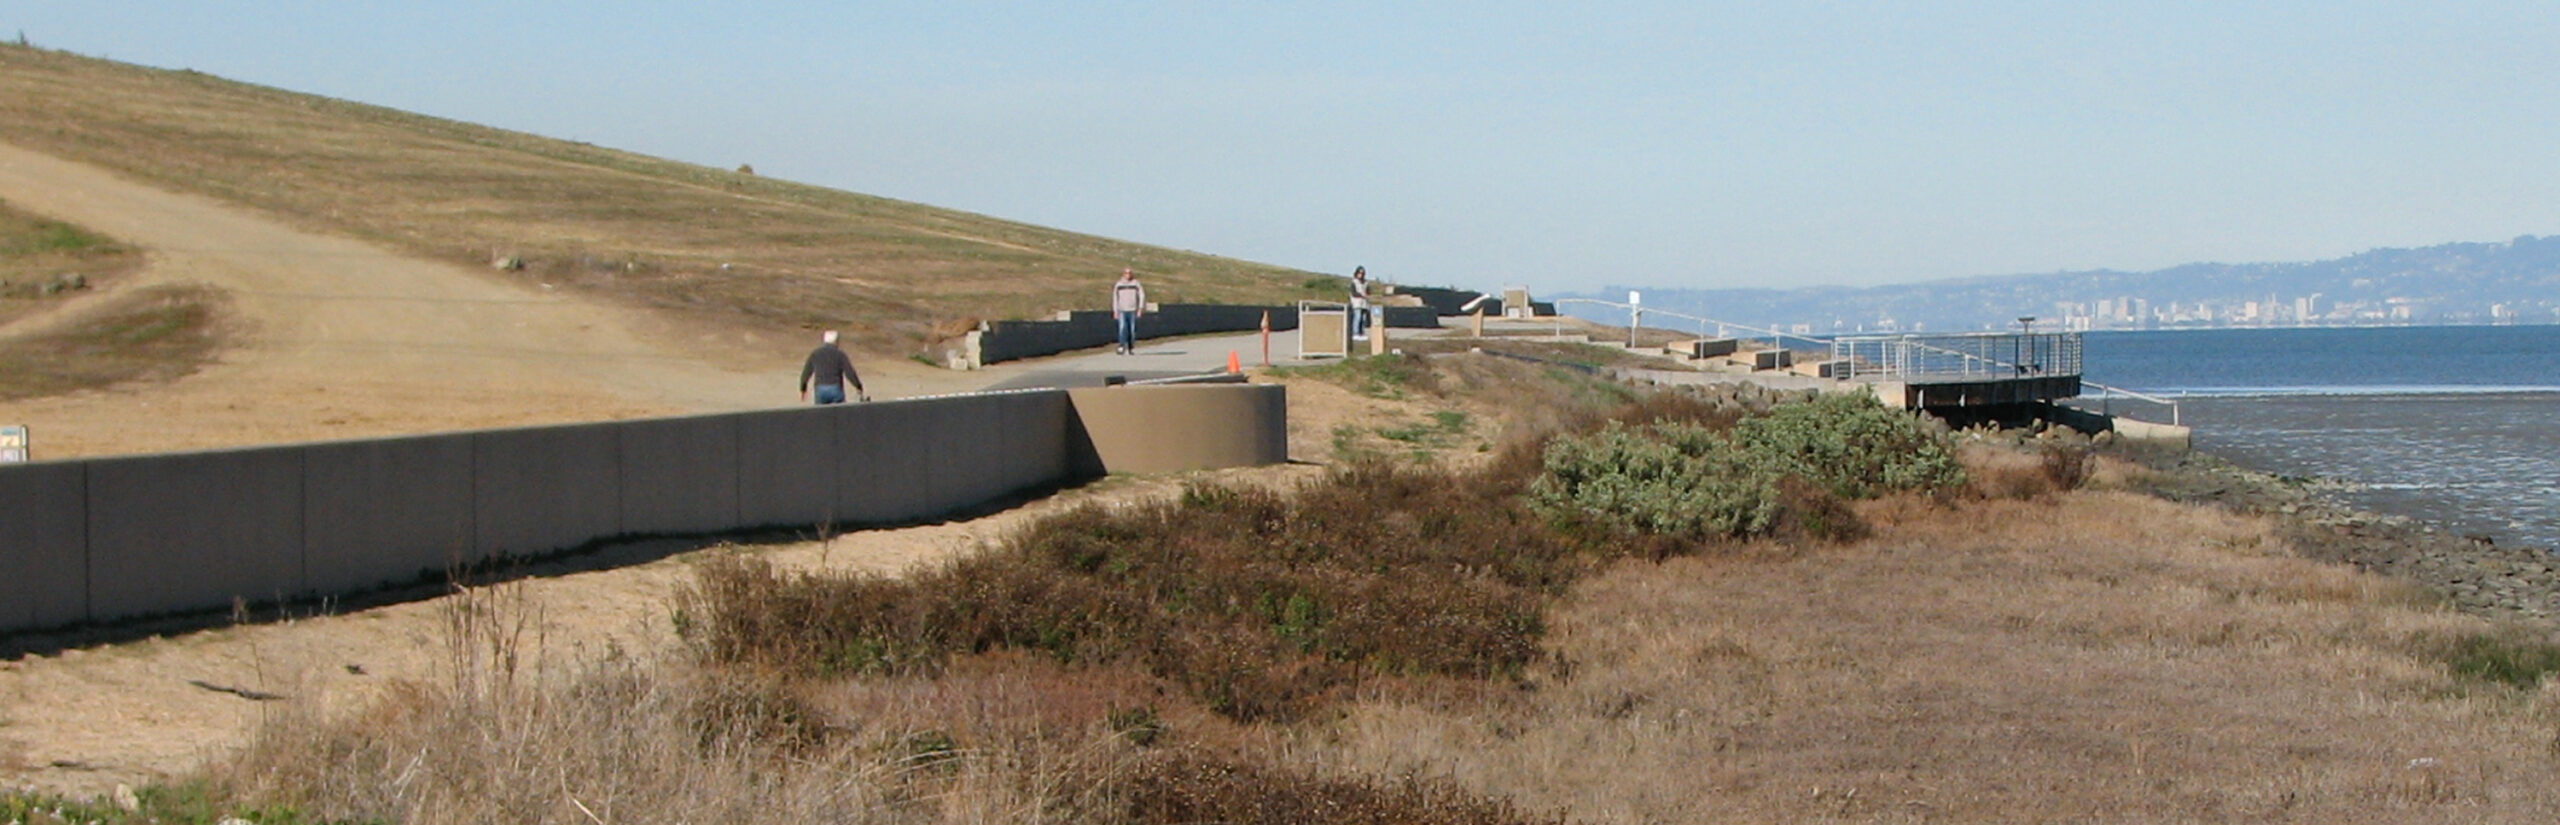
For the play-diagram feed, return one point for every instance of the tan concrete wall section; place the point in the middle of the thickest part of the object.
(1191, 427)
(118, 538)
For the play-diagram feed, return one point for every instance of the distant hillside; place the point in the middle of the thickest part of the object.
(715, 247)
(2516, 281)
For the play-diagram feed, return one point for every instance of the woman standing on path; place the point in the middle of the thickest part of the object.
(1360, 303)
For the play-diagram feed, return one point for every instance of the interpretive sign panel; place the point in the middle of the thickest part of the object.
(13, 444)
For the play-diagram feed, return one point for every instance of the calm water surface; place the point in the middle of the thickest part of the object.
(2456, 425)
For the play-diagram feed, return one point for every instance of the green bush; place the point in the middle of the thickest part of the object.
(1852, 445)
(1780, 472)
(1668, 479)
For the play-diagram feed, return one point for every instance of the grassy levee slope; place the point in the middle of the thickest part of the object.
(720, 248)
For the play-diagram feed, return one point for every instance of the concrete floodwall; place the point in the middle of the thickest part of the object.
(115, 538)
(1002, 341)
(44, 528)
(386, 510)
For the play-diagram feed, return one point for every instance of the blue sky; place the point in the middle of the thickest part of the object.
(1564, 146)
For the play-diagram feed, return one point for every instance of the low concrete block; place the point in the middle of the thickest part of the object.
(787, 467)
(44, 545)
(385, 511)
(1183, 427)
(680, 475)
(193, 531)
(545, 489)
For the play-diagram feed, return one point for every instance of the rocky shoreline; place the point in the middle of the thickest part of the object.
(2473, 574)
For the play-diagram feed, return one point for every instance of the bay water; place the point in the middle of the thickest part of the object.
(2458, 426)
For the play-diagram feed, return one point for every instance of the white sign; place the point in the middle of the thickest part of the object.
(1634, 297)
(13, 444)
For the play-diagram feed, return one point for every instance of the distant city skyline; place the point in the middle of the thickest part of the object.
(1712, 145)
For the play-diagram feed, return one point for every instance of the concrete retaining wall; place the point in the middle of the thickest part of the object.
(385, 511)
(1003, 341)
(125, 537)
(1181, 427)
(44, 526)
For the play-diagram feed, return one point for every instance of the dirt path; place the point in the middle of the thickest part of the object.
(341, 339)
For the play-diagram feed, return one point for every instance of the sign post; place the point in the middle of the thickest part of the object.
(1635, 315)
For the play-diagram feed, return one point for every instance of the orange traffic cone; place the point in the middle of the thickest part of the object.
(1234, 363)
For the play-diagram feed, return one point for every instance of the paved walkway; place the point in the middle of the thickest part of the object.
(1159, 358)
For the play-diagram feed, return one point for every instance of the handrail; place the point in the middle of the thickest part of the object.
(1773, 334)
(2111, 392)
(2057, 353)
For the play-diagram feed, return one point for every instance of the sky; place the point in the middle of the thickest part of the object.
(1562, 146)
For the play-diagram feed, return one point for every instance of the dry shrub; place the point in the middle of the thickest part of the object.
(2028, 471)
(1184, 786)
(995, 738)
(1260, 604)
(1808, 513)
(503, 739)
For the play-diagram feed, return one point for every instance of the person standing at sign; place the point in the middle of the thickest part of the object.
(1128, 301)
(830, 369)
(1359, 303)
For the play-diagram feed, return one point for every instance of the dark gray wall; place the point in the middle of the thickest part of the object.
(386, 511)
(197, 529)
(125, 537)
(787, 466)
(44, 528)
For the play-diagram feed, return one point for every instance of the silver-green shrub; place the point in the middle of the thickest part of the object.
(1852, 445)
(1682, 479)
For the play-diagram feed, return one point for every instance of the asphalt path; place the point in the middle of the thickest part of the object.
(1160, 358)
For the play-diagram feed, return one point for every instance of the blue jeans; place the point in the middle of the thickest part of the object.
(1360, 322)
(1128, 331)
(830, 393)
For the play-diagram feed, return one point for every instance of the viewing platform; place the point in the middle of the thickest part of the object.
(1961, 370)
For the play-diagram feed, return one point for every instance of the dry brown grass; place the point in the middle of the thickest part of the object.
(617, 738)
(156, 333)
(717, 247)
(2083, 657)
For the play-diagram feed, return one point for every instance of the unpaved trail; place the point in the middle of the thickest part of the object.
(341, 339)
(338, 338)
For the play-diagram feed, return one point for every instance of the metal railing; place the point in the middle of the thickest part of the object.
(1723, 329)
(2107, 394)
(1970, 356)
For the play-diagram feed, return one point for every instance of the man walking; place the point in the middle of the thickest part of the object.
(831, 369)
(1128, 301)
